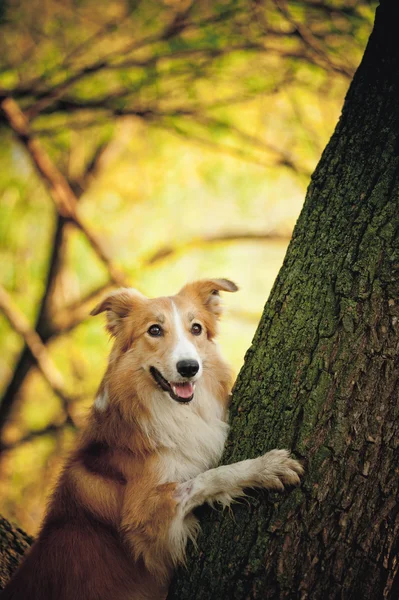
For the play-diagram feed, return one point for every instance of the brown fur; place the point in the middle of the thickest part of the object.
(104, 536)
(121, 513)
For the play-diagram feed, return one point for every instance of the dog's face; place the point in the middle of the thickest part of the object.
(164, 342)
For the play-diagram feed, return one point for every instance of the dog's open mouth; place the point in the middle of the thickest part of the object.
(181, 392)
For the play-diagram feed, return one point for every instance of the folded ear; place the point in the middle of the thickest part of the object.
(118, 305)
(207, 292)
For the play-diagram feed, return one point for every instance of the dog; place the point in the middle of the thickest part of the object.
(122, 512)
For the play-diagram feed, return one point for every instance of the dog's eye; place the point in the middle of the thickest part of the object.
(196, 329)
(155, 331)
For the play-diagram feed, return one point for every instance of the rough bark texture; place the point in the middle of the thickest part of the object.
(322, 377)
(13, 543)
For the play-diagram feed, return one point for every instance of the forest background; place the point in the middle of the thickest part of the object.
(146, 144)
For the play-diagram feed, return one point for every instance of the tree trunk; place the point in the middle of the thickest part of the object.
(322, 377)
(13, 543)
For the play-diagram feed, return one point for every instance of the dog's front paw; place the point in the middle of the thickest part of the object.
(278, 469)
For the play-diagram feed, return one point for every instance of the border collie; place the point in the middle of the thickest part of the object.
(120, 516)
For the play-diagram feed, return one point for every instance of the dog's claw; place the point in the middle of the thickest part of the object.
(278, 470)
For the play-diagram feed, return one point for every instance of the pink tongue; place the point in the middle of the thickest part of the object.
(184, 390)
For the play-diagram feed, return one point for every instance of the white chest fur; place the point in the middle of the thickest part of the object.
(192, 436)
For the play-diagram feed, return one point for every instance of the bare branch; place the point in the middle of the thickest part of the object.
(80, 183)
(36, 82)
(108, 27)
(94, 163)
(44, 321)
(109, 151)
(26, 360)
(33, 341)
(52, 429)
(281, 160)
(159, 118)
(60, 190)
(312, 42)
(74, 314)
(238, 236)
(175, 27)
(51, 101)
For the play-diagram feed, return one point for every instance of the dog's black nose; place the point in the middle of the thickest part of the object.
(187, 368)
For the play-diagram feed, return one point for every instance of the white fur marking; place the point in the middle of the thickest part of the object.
(192, 436)
(273, 470)
(101, 402)
(184, 349)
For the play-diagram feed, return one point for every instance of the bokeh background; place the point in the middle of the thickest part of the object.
(186, 133)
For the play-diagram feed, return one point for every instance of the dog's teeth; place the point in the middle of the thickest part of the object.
(174, 389)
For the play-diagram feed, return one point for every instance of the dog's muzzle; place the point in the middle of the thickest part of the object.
(181, 392)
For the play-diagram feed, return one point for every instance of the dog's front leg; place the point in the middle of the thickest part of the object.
(273, 470)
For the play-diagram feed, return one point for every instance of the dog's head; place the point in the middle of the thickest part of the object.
(166, 342)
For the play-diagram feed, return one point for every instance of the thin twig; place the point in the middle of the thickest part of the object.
(159, 118)
(311, 41)
(175, 27)
(218, 238)
(74, 314)
(280, 161)
(51, 101)
(54, 428)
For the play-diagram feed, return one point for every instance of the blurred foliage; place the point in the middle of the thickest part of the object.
(188, 131)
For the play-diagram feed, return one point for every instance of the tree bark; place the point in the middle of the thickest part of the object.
(13, 543)
(322, 377)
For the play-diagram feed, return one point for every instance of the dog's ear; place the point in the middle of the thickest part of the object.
(118, 305)
(207, 292)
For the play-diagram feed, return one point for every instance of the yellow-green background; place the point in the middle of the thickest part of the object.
(226, 147)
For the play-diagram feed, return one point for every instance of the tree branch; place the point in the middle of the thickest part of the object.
(239, 236)
(281, 161)
(26, 360)
(44, 322)
(74, 314)
(52, 101)
(159, 118)
(175, 27)
(38, 350)
(60, 190)
(283, 158)
(312, 42)
(33, 435)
